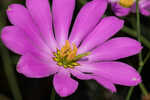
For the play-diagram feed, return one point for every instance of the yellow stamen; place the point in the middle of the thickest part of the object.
(75, 64)
(65, 49)
(73, 53)
(126, 3)
(67, 56)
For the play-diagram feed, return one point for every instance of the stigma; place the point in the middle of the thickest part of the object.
(126, 3)
(67, 55)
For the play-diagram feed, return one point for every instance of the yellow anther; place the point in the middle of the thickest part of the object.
(55, 59)
(126, 3)
(70, 66)
(58, 51)
(65, 66)
(65, 49)
(73, 53)
(67, 56)
(55, 54)
(60, 64)
(75, 64)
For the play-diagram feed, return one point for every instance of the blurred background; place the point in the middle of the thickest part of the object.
(40, 89)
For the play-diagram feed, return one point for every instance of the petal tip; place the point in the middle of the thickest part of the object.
(3, 35)
(120, 20)
(64, 92)
(136, 80)
(114, 90)
(9, 9)
(11, 6)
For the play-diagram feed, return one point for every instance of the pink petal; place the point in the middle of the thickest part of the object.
(87, 19)
(80, 75)
(115, 48)
(106, 83)
(16, 40)
(64, 84)
(145, 7)
(20, 17)
(145, 12)
(62, 16)
(119, 10)
(35, 65)
(115, 72)
(40, 12)
(79, 71)
(107, 27)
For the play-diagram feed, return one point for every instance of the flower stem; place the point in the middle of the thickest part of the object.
(143, 89)
(82, 1)
(129, 93)
(53, 94)
(133, 33)
(141, 63)
(139, 70)
(9, 71)
(145, 60)
(138, 31)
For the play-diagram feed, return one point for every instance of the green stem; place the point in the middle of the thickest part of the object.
(145, 60)
(133, 33)
(139, 70)
(138, 31)
(53, 94)
(143, 89)
(9, 71)
(141, 63)
(82, 1)
(129, 93)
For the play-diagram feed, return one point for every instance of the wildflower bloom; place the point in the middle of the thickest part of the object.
(124, 7)
(86, 53)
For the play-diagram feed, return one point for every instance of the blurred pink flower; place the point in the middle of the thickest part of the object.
(120, 10)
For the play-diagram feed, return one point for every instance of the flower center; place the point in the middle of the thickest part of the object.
(67, 56)
(126, 3)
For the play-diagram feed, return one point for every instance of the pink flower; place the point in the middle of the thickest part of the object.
(120, 9)
(85, 53)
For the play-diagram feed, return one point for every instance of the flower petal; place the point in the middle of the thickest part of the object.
(119, 10)
(145, 11)
(115, 72)
(62, 16)
(107, 27)
(106, 83)
(87, 19)
(115, 48)
(144, 6)
(40, 12)
(119, 73)
(64, 84)
(16, 40)
(112, 1)
(20, 17)
(80, 75)
(35, 65)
